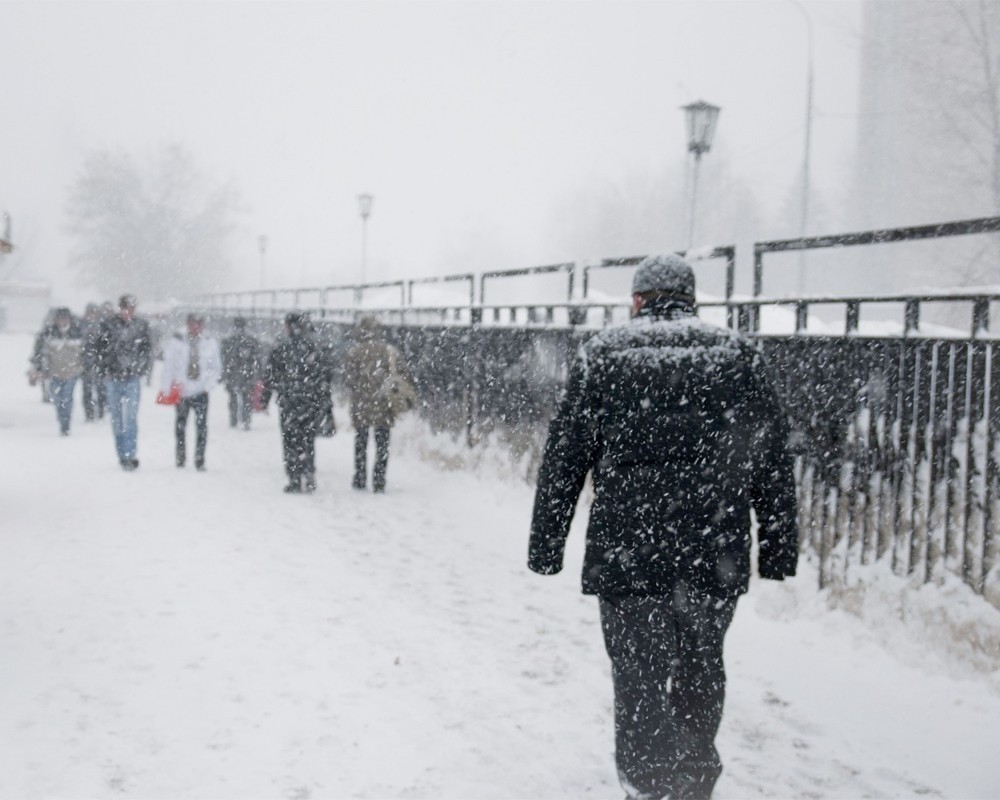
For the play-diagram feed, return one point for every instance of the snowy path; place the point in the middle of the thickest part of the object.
(172, 634)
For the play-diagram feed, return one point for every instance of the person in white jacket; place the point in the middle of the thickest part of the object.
(192, 362)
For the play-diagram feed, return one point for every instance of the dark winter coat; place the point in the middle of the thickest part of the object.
(241, 361)
(683, 435)
(124, 349)
(299, 374)
(91, 331)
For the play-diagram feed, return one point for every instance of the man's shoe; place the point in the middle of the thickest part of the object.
(129, 464)
(310, 484)
(293, 488)
(200, 466)
(358, 483)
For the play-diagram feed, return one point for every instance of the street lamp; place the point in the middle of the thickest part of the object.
(365, 207)
(262, 246)
(701, 119)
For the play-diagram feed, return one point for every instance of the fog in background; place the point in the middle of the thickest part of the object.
(491, 134)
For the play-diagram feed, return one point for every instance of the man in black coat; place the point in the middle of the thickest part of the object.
(298, 372)
(682, 433)
(241, 366)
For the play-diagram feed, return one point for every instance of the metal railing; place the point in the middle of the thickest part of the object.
(896, 431)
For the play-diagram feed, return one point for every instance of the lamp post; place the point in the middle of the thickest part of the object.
(365, 208)
(806, 153)
(262, 246)
(701, 119)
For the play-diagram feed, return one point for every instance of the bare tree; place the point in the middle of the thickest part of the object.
(159, 227)
(930, 127)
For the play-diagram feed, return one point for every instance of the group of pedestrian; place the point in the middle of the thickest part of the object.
(115, 351)
(301, 375)
(67, 350)
(64, 352)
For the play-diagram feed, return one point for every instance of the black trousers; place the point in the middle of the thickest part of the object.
(298, 441)
(670, 683)
(361, 458)
(199, 404)
(94, 398)
(240, 409)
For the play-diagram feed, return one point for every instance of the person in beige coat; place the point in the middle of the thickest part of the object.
(374, 372)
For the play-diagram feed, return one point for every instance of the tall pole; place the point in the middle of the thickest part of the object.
(365, 208)
(807, 148)
(364, 247)
(701, 118)
(694, 199)
(262, 245)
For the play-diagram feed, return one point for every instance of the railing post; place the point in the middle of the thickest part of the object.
(912, 316)
(801, 316)
(758, 271)
(744, 320)
(980, 316)
(853, 320)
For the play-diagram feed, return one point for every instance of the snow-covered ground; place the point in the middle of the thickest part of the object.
(174, 634)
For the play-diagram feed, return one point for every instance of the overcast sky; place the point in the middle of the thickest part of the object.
(472, 123)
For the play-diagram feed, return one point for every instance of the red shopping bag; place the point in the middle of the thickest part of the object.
(257, 401)
(171, 398)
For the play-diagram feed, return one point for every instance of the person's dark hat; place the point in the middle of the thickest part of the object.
(239, 323)
(127, 301)
(668, 275)
(297, 322)
(198, 318)
(62, 313)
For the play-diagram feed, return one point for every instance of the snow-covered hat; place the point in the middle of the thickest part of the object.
(297, 322)
(667, 274)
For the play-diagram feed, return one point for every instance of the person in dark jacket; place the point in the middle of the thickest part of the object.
(36, 375)
(677, 424)
(299, 374)
(241, 368)
(124, 352)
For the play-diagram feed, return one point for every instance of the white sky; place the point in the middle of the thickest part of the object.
(471, 123)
